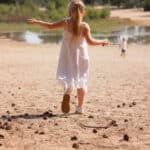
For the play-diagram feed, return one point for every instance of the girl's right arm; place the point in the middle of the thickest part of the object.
(90, 40)
(54, 25)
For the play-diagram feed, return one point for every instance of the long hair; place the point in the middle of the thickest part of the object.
(76, 7)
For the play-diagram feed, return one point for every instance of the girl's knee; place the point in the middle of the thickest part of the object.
(83, 90)
(68, 91)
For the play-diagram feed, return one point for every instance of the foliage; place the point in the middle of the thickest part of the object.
(147, 5)
(105, 12)
(53, 10)
(97, 13)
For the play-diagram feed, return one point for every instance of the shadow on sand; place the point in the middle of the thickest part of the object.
(44, 115)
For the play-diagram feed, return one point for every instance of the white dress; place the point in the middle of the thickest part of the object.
(73, 63)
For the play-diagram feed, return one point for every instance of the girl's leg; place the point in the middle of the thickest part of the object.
(65, 106)
(81, 94)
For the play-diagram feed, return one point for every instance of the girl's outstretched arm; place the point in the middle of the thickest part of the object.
(91, 40)
(53, 25)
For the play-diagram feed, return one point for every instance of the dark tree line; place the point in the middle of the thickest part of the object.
(119, 3)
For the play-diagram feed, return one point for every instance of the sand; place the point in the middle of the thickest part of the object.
(117, 106)
(136, 15)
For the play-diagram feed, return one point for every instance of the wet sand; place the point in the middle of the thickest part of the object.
(117, 106)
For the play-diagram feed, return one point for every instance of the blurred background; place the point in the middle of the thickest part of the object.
(107, 18)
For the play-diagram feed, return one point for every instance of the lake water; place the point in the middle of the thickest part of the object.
(134, 35)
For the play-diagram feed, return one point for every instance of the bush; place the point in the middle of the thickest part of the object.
(19, 13)
(105, 12)
(147, 5)
(56, 9)
(92, 13)
(58, 14)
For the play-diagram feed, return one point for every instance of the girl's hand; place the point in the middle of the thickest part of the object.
(105, 42)
(32, 20)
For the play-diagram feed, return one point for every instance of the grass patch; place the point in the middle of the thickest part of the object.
(108, 25)
(13, 27)
(97, 26)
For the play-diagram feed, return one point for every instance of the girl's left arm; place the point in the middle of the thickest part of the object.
(47, 25)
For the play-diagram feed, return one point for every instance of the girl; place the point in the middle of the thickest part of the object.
(123, 46)
(73, 62)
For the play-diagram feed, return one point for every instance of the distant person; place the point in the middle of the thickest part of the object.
(73, 62)
(123, 46)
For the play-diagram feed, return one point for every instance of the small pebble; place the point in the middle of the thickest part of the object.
(8, 127)
(123, 104)
(41, 133)
(56, 124)
(36, 132)
(118, 106)
(90, 116)
(113, 123)
(1, 136)
(44, 118)
(141, 128)
(105, 136)
(94, 131)
(3, 116)
(134, 103)
(74, 138)
(12, 94)
(9, 119)
(48, 114)
(13, 105)
(8, 112)
(130, 105)
(75, 145)
(19, 88)
(126, 137)
(29, 127)
(125, 120)
(26, 115)
(0, 144)
(6, 124)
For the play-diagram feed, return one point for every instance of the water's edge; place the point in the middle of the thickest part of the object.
(134, 35)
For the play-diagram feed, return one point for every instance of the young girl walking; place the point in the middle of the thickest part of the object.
(73, 62)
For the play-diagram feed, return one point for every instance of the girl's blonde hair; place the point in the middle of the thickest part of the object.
(76, 7)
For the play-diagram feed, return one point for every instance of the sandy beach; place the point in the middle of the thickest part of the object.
(138, 16)
(117, 106)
